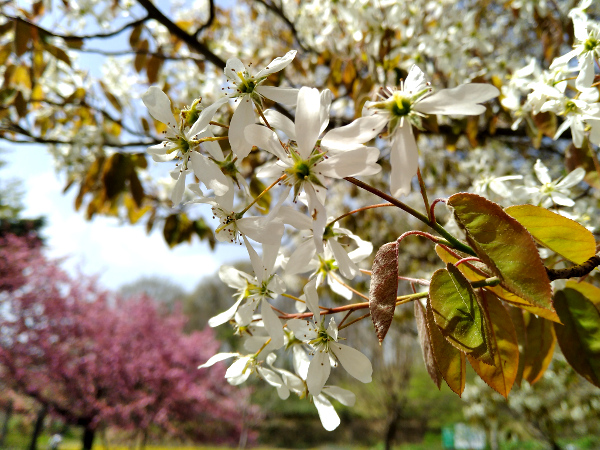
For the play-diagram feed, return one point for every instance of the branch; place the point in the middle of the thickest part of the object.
(40, 140)
(79, 37)
(137, 52)
(180, 33)
(209, 22)
(279, 13)
(580, 270)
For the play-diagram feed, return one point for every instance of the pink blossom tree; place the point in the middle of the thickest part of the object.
(95, 359)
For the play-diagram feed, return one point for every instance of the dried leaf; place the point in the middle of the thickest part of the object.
(384, 288)
(425, 341)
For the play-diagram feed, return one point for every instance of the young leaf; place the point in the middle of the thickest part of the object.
(384, 288)
(558, 233)
(501, 376)
(505, 246)
(540, 347)
(475, 271)
(451, 362)
(425, 341)
(579, 336)
(457, 313)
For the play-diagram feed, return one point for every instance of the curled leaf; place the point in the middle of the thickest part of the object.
(384, 288)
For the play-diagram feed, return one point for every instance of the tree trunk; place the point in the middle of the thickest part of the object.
(390, 435)
(7, 416)
(88, 438)
(37, 429)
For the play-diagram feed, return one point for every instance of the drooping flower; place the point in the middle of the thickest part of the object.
(402, 108)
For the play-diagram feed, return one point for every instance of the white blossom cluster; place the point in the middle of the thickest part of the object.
(302, 161)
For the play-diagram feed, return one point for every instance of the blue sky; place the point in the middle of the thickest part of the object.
(118, 254)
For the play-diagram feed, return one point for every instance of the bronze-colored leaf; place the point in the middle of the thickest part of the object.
(540, 347)
(503, 339)
(384, 288)
(141, 56)
(425, 341)
(451, 362)
(23, 35)
(505, 246)
(137, 191)
(58, 53)
(152, 68)
(516, 316)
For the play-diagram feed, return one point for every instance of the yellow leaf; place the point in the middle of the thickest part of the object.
(561, 235)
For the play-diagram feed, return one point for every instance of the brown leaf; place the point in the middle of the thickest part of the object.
(503, 338)
(540, 347)
(152, 68)
(22, 37)
(451, 362)
(425, 341)
(384, 288)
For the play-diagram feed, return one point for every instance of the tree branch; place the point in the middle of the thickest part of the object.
(279, 13)
(577, 271)
(79, 37)
(40, 140)
(180, 33)
(209, 22)
(137, 52)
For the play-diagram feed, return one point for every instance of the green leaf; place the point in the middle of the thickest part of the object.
(384, 288)
(426, 345)
(589, 291)
(503, 339)
(457, 313)
(579, 336)
(476, 271)
(451, 362)
(540, 347)
(505, 246)
(560, 234)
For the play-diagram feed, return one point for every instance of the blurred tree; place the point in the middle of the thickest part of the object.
(159, 288)
(94, 359)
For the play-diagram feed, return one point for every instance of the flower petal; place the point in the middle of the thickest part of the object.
(242, 117)
(285, 96)
(209, 173)
(355, 363)
(461, 100)
(205, 117)
(404, 159)
(308, 121)
(344, 396)
(358, 132)
(159, 106)
(277, 64)
(217, 358)
(327, 414)
(318, 372)
(225, 316)
(272, 325)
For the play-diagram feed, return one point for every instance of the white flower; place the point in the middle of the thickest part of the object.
(586, 48)
(234, 225)
(249, 91)
(399, 109)
(255, 291)
(553, 192)
(326, 349)
(305, 160)
(179, 142)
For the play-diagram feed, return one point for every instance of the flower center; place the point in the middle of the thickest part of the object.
(401, 106)
(590, 44)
